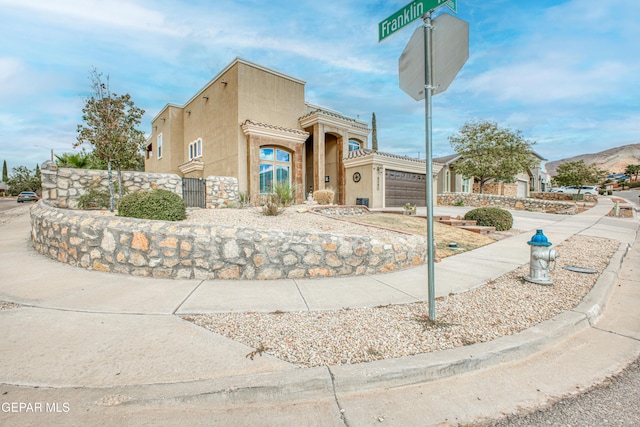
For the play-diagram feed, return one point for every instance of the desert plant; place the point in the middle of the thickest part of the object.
(285, 193)
(324, 197)
(496, 217)
(243, 200)
(408, 207)
(271, 206)
(153, 204)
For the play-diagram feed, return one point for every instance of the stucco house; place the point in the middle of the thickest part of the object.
(533, 180)
(253, 123)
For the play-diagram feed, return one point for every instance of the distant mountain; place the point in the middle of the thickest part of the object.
(614, 160)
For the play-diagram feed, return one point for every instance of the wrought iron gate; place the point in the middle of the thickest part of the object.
(194, 192)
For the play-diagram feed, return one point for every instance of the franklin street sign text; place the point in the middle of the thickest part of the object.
(408, 14)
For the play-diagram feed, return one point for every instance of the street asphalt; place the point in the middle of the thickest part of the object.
(91, 348)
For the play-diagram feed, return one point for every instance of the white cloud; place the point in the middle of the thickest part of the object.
(9, 68)
(17, 81)
(549, 81)
(111, 13)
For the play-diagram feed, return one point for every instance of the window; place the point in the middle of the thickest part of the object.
(195, 149)
(354, 145)
(447, 181)
(160, 146)
(466, 185)
(275, 168)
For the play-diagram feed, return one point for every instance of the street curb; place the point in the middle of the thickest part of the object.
(594, 303)
(328, 382)
(433, 366)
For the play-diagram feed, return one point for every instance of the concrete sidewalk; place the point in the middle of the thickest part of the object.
(112, 347)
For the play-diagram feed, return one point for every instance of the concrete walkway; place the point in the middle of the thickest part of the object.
(111, 348)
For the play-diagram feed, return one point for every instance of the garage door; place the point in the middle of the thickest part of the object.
(404, 187)
(522, 189)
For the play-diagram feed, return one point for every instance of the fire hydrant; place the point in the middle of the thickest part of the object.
(541, 257)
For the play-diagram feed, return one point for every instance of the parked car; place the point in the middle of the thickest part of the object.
(585, 189)
(27, 196)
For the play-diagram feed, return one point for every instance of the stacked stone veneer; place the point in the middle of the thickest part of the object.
(482, 200)
(497, 189)
(564, 196)
(62, 187)
(338, 211)
(186, 251)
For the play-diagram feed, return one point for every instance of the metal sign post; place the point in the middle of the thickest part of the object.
(426, 67)
(428, 88)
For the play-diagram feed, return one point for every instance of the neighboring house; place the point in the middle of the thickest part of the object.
(539, 178)
(254, 124)
(4, 188)
(449, 181)
(533, 180)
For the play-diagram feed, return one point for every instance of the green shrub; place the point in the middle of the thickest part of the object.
(153, 204)
(496, 217)
(324, 197)
(97, 197)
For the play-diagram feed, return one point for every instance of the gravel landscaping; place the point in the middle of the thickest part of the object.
(501, 307)
(291, 219)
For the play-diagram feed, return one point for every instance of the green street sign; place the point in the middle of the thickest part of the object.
(410, 13)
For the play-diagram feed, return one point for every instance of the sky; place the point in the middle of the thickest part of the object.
(564, 73)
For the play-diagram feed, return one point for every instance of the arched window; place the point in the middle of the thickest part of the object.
(275, 168)
(354, 145)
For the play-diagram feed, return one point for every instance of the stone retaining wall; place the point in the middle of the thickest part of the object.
(563, 197)
(338, 211)
(63, 186)
(498, 189)
(482, 200)
(186, 251)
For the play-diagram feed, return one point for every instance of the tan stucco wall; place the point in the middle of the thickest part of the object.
(331, 163)
(214, 120)
(170, 124)
(265, 98)
(269, 98)
(362, 189)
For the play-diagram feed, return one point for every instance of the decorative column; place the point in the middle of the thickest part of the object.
(49, 182)
(342, 183)
(318, 157)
